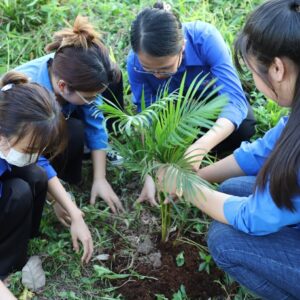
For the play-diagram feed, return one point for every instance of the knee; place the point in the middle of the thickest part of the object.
(238, 186)
(219, 241)
(19, 197)
(36, 175)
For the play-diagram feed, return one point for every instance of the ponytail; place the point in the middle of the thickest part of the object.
(82, 35)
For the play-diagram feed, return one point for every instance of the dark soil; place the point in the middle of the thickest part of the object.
(198, 285)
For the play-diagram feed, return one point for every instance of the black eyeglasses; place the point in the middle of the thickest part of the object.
(153, 72)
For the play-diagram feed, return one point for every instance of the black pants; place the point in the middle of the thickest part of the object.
(21, 206)
(68, 165)
(115, 94)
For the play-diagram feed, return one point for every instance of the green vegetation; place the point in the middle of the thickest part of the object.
(158, 136)
(26, 26)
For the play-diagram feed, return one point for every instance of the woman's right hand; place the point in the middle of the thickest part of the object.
(148, 192)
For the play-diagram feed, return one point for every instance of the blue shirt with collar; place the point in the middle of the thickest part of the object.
(205, 52)
(95, 132)
(258, 213)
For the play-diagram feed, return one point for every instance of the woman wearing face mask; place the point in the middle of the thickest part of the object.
(78, 70)
(163, 49)
(257, 238)
(30, 124)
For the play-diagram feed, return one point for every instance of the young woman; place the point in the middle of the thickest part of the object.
(163, 49)
(257, 238)
(78, 70)
(28, 114)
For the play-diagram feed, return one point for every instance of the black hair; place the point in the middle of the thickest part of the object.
(273, 30)
(157, 31)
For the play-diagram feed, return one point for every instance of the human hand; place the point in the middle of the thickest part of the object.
(61, 214)
(195, 153)
(168, 185)
(79, 231)
(101, 188)
(148, 192)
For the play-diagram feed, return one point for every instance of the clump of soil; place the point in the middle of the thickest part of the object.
(198, 285)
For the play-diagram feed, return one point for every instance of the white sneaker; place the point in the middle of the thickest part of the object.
(114, 158)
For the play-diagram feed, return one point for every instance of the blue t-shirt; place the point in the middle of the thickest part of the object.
(258, 213)
(205, 52)
(96, 136)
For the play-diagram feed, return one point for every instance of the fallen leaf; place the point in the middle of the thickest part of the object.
(33, 275)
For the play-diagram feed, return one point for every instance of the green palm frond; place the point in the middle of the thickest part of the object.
(159, 135)
(167, 126)
(128, 122)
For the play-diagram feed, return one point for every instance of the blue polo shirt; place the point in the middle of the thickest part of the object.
(205, 52)
(258, 214)
(94, 128)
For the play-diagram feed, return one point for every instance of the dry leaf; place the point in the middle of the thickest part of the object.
(33, 275)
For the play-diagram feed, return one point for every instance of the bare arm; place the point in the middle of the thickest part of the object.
(221, 170)
(220, 131)
(5, 294)
(210, 202)
(79, 230)
(58, 192)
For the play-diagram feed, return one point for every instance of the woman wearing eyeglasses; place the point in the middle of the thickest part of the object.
(79, 71)
(163, 49)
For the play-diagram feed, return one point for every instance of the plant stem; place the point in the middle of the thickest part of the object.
(165, 210)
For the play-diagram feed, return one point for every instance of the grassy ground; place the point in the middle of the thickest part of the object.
(25, 28)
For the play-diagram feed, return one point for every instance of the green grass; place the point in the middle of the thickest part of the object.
(26, 26)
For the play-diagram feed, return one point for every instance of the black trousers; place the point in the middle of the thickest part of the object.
(115, 94)
(69, 164)
(21, 206)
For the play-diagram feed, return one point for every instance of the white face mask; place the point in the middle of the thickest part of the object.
(19, 159)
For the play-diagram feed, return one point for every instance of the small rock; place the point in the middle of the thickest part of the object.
(146, 246)
(102, 257)
(155, 259)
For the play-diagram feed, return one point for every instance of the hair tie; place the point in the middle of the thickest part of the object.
(52, 117)
(7, 87)
(167, 6)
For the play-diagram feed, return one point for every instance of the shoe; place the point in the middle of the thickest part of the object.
(114, 158)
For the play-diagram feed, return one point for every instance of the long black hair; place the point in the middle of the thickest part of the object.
(273, 30)
(157, 32)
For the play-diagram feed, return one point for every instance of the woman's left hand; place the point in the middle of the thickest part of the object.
(80, 231)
